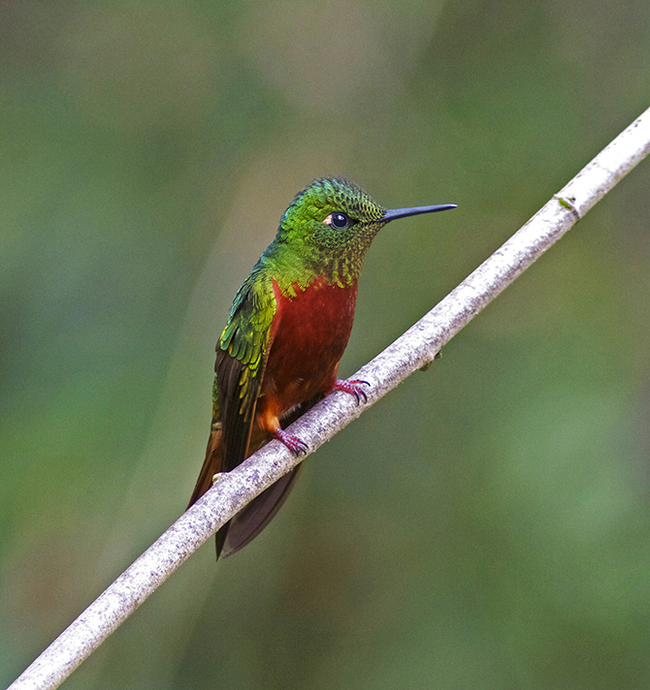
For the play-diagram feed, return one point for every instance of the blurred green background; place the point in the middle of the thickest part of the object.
(487, 524)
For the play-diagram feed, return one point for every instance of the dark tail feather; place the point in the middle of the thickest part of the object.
(220, 538)
(254, 517)
(211, 465)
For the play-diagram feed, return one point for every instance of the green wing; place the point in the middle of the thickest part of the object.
(241, 357)
(242, 352)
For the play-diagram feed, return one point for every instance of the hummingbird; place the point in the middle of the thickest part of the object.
(288, 327)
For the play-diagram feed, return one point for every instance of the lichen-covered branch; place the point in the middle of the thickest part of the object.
(411, 351)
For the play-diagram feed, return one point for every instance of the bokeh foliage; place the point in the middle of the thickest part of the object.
(486, 525)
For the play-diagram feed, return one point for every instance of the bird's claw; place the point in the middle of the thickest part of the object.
(216, 477)
(293, 443)
(353, 387)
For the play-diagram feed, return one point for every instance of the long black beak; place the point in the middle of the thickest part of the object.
(393, 214)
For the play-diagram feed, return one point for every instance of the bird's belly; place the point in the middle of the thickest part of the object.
(312, 333)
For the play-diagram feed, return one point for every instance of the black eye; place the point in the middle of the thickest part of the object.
(340, 220)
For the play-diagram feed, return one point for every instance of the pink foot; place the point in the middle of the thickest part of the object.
(293, 443)
(353, 387)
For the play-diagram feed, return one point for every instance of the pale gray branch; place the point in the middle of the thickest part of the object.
(411, 351)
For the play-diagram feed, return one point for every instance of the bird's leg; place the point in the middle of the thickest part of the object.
(293, 443)
(353, 387)
(267, 419)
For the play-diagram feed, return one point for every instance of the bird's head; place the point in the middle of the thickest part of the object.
(332, 222)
